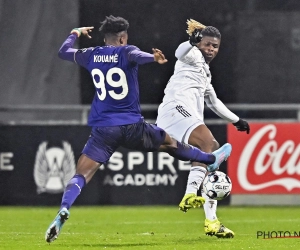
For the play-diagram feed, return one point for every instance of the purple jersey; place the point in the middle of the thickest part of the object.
(114, 71)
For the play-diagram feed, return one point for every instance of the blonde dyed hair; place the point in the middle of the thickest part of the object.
(192, 25)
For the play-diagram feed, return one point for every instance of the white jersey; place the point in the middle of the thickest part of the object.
(187, 90)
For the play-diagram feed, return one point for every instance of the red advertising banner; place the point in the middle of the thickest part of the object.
(266, 161)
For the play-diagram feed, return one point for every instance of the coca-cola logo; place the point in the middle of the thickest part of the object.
(267, 160)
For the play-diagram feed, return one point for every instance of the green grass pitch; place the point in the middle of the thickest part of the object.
(147, 227)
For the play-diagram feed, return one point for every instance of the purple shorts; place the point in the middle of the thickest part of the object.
(104, 141)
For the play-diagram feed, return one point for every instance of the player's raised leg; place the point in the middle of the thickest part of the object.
(187, 152)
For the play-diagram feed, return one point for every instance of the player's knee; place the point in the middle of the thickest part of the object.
(169, 144)
(172, 145)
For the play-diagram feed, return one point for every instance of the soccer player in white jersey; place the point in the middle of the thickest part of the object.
(181, 114)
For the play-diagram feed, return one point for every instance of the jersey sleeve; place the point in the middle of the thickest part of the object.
(134, 54)
(81, 56)
(184, 53)
(67, 52)
(217, 106)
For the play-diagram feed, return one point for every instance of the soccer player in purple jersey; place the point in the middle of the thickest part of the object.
(115, 115)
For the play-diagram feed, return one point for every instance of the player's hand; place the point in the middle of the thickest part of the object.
(242, 125)
(159, 56)
(83, 31)
(196, 37)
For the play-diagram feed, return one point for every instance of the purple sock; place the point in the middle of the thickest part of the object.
(185, 152)
(72, 190)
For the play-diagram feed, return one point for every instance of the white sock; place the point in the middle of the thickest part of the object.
(210, 207)
(195, 179)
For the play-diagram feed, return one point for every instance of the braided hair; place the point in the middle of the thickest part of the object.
(205, 30)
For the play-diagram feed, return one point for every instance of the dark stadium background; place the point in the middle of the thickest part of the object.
(162, 24)
(257, 62)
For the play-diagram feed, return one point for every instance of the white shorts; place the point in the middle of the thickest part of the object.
(178, 120)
